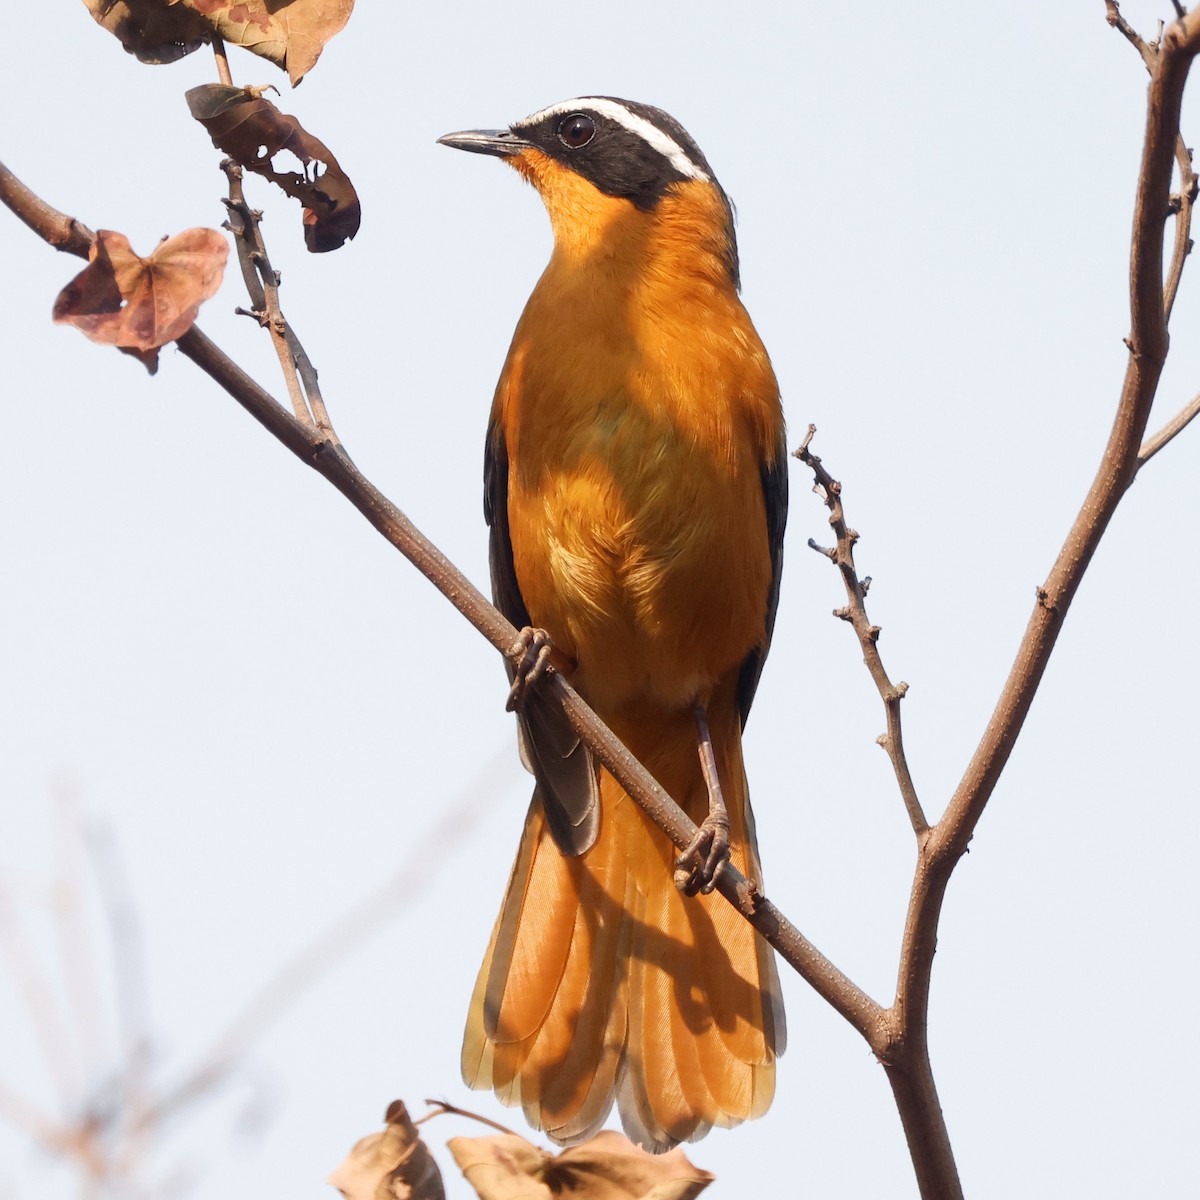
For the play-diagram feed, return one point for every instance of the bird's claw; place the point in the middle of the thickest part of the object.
(699, 867)
(530, 655)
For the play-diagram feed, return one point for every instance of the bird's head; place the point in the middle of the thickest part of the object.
(601, 164)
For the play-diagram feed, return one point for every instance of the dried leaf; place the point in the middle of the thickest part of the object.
(392, 1165)
(154, 31)
(503, 1167)
(252, 131)
(139, 304)
(289, 33)
(608, 1167)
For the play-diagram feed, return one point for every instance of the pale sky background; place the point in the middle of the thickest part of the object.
(272, 712)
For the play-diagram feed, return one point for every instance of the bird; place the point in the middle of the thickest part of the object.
(635, 489)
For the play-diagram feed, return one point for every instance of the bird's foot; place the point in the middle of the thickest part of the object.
(530, 655)
(699, 867)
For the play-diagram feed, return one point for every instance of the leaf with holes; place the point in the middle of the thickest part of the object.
(139, 304)
(252, 131)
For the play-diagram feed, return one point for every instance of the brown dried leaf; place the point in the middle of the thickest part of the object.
(608, 1167)
(252, 131)
(392, 1165)
(289, 33)
(154, 31)
(139, 304)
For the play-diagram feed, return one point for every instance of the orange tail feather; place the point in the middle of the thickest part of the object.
(602, 982)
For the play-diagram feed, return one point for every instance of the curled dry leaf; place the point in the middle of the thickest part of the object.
(608, 1167)
(392, 1165)
(289, 33)
(252, 131)
(139, 304)
(154, 31)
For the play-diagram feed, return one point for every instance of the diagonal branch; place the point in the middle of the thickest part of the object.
(330, 459)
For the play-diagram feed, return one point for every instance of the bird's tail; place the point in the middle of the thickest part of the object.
(603, 982)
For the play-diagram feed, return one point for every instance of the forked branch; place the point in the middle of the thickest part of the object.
(906, 1056)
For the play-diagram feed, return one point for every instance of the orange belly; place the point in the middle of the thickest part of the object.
(644, 559)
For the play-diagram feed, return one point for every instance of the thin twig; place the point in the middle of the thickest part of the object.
(443, 1108)
(256, 271)
(223, 72)
(262, 284)
(855, 613)
(1182, 203)
(1148, 52)
(1176, 425)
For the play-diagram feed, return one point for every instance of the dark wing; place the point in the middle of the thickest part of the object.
(562, 765)
(775, 495)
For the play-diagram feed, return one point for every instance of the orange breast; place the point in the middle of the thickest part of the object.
(638, 408)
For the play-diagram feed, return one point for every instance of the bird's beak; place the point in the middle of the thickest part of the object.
(501, 142)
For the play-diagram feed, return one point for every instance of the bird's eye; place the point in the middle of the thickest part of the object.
(576, 130)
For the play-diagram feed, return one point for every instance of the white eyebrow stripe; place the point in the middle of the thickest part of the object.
(665, 145)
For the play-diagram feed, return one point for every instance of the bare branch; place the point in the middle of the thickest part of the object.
(945, 843)
(62, 232)
(262, 284)
(1148, 349)
(329, 459)
(855, 613)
